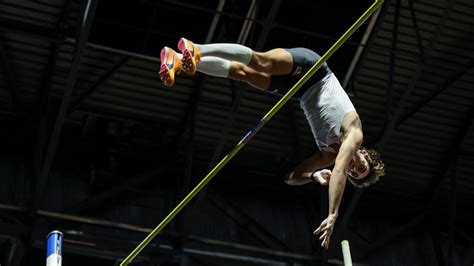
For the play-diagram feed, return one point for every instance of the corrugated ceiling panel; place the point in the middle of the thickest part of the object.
(440, 97)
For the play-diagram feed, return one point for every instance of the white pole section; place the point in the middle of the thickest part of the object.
(346, 253)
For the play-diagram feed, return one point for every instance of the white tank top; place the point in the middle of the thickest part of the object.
(324, 105)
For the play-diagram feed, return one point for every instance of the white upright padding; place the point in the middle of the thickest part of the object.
(346, 253)
(54, 260)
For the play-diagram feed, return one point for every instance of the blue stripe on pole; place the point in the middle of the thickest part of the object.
(252, 132)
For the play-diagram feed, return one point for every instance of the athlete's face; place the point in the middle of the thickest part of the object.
(358, 167)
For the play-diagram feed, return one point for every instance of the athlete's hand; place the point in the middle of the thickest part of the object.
(325, 229)
(323, 176)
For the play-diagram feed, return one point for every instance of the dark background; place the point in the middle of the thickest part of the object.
(123, 150)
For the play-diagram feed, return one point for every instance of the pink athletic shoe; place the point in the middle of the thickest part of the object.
(191, 55)
(170, 65)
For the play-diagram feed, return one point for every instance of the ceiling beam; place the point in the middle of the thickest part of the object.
(368, 46)
(390, 127)
(99, 82)
(84, 26)
(39, 111)
(7, 66)
(465, 69)
(393, 57)
(416, 28)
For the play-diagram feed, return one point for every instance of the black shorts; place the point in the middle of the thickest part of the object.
(303, 60)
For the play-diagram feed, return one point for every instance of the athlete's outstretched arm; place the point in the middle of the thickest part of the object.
(337, 184)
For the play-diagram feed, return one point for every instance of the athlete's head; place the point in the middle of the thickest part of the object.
(365, 168)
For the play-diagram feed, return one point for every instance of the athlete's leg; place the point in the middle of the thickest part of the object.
(193, 52)
(229, 51)
(218, 67)
(257, 79)
(276, 61)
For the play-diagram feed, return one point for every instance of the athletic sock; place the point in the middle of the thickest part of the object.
(229, 51)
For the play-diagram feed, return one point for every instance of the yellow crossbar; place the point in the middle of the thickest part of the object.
(251, 133)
